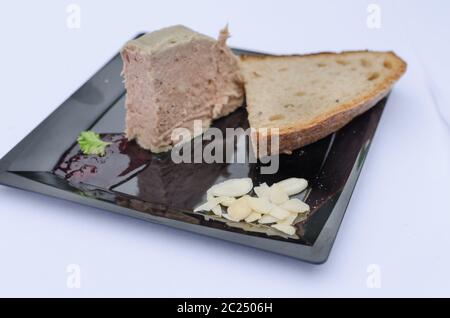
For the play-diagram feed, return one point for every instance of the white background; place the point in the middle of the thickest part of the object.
(399, 215)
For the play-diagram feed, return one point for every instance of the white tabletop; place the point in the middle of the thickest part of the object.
(395, 237)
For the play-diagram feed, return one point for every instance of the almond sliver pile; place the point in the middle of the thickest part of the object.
(271, 205)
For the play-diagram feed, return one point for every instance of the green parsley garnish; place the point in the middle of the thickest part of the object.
(91, 144)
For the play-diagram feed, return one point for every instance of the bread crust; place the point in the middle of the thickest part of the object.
(303, 134)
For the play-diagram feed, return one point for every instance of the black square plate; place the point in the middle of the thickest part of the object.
(157, 190)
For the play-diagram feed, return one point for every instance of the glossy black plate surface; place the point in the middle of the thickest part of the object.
(134, 182)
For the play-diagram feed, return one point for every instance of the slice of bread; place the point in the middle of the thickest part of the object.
(308, 97)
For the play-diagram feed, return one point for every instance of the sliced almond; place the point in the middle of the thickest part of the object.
(290, 219)
(262, 191)
(254, 216)
(208, 205)
(240, 209)
(301, 217)
(217, 210)
(295, 205)
(260, 205)
(226, 201)
(285, 228)
(293, 186)
(232, 187)
(279, 213)
(267, 218)
(277, 194)
(203, 207)
(229, 217)
(209, 196)
(274, 232)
